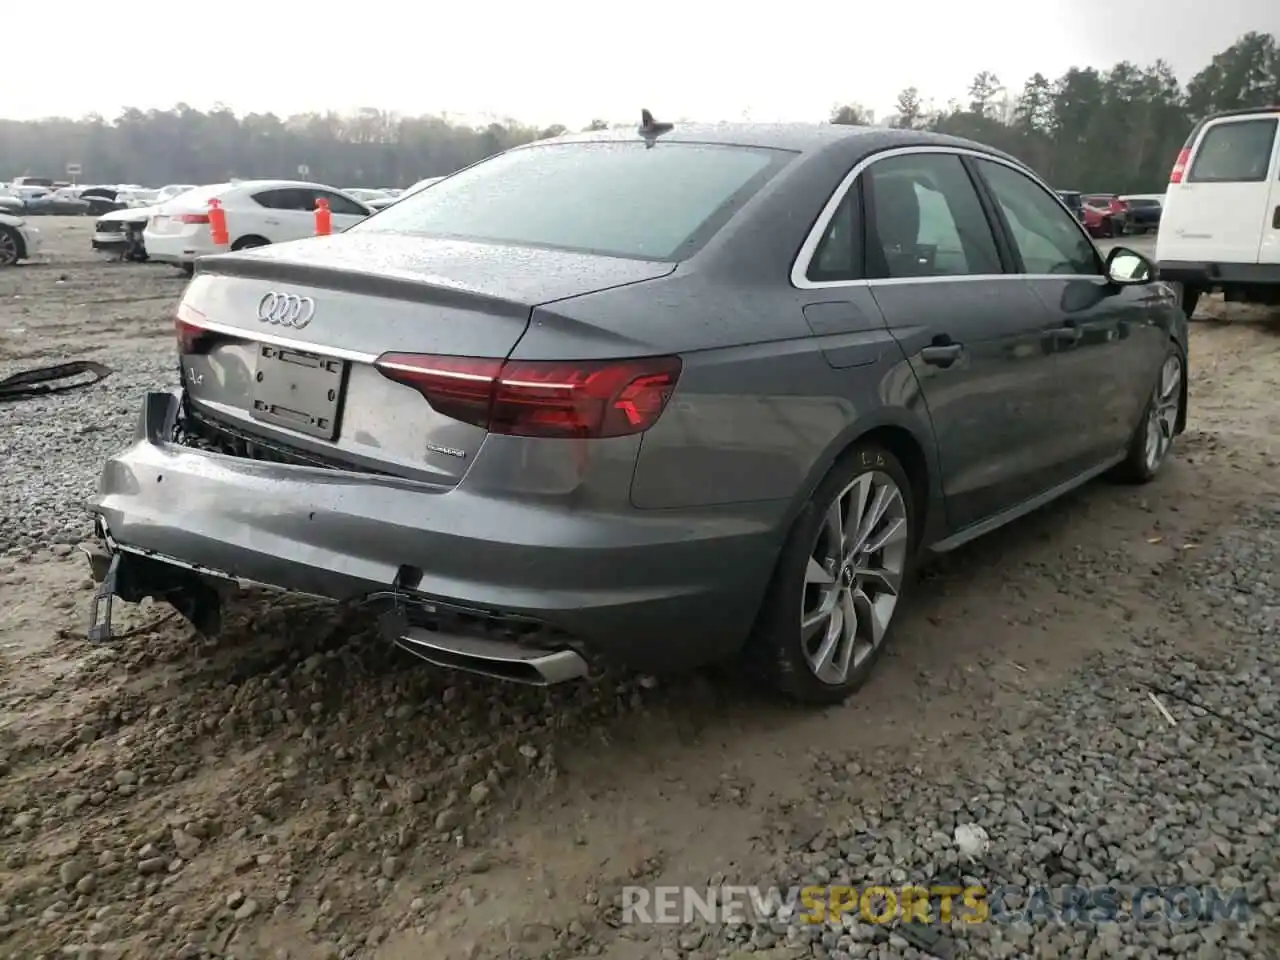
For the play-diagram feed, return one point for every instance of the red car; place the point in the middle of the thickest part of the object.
(1106, 215)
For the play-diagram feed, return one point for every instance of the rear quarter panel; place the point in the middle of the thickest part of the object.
(764, 404)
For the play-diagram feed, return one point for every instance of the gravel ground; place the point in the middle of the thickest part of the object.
(294, 789)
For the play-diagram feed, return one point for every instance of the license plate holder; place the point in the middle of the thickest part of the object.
(299, 391)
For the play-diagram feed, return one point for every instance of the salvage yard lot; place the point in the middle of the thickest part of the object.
(297, 789)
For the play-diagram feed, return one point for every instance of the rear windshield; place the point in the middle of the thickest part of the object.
(617, 199)
(1238, 151)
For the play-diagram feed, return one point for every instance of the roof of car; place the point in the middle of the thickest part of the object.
(800, 137)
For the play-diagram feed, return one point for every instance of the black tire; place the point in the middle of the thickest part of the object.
(1138, 466)
(1190, 299)
(775, 652)
(12, 249)
(248, 243)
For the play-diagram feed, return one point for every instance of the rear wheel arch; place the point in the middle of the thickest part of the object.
(250, 240)
(907, 446)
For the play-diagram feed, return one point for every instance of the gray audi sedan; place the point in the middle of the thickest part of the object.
(648, 398)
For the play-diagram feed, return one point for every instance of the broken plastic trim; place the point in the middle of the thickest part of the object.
(36, 383)
(133, 577)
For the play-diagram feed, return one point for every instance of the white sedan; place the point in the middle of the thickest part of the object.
(18, 240)
(258, 212)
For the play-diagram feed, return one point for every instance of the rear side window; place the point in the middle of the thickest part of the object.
(1238, 151)
(839, 253)
(612, 198)
(290, 198)
(927, 219)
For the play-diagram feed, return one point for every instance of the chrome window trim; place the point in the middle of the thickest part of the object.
(800, 267)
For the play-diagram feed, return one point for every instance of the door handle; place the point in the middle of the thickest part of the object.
(941, 354)
(1275, 219)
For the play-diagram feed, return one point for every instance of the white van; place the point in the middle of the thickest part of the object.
(1220, 229)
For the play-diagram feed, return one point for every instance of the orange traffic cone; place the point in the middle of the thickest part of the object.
(218, 224)
(324, 218)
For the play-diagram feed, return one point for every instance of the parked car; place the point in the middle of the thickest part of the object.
(173, 190)
(725, 419)
(365, 194)
(1074, 201)
(1114, 214)
(1220, 230)
(119, 233)
(101, 200)
(1144, 212)
(259, 212)
(31, 196)
(1097, 223)
(19, 240)
(10, 202)
(62, 202)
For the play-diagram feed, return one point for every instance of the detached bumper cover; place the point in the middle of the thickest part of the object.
(648, 589)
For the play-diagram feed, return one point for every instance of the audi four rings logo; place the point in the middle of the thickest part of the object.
(286, 310)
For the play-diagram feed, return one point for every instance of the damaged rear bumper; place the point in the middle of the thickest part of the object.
(463, 578)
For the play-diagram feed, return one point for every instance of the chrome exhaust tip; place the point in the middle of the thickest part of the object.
(498, 659)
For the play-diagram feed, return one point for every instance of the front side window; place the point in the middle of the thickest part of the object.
(341, 205)
(1048, 238)
(927, 219)
(615, 198)
(1235, 151)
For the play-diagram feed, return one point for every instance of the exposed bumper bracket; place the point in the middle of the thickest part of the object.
(103, 596)
(133, 577)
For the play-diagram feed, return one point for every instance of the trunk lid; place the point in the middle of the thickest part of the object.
(296, 328)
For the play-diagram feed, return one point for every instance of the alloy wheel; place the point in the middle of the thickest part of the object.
(854, 576)
(1162, 421)
(8, 249)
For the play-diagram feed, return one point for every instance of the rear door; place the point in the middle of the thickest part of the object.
(289, 213)
(1105, 350)
(976, 336)
(1218, 213)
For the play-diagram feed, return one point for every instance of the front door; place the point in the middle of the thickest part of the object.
(1106, 344)
(976, 337)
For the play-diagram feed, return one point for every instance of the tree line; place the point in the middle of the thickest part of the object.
(1113, 130)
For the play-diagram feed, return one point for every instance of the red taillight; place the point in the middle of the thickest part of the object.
(192, 218)
(191, 337)
(1179, 166)
(529, 398)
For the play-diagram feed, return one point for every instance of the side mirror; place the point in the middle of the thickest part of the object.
(1126, 267)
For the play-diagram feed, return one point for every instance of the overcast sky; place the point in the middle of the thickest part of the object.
(568, 61)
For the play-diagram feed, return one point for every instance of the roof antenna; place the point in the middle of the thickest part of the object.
(651, 129)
